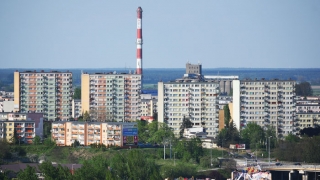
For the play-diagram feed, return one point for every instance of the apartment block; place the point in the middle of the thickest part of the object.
(65, 133)
(26, 125)
(76, 108)
(265, 102)
(193, 99)
(49, 93)
(307, 112)
(148, 105)
(111, 96)
(24, 130)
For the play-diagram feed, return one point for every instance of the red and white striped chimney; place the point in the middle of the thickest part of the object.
(139, 40)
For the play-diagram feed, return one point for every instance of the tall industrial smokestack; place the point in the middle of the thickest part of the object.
(139, 40)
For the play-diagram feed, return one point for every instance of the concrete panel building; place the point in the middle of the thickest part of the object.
(225, 82)
(49, 93)
(87, 133)
(193, 99)
(111, 96)
(307, 112)
(76, 108)
(265, 102)
(26, 125)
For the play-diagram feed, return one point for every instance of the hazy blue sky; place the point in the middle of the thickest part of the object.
(102, 34)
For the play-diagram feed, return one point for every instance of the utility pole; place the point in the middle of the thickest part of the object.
(269, 149)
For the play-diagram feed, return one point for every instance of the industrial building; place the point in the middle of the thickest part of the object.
(265, 102)
(49, 93)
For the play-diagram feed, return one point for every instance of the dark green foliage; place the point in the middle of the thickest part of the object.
(36, 140)
(310, 131)
(253, 134)
(28, 174)
(5, 152)
(228, 136)
(189, 150)
(180, 170)
(47, 129)
(303, 89)
(186, 123)
(96, 168)
(77, 93)
(133, 165)
(305, 150)
(227, 116)
(54, 173)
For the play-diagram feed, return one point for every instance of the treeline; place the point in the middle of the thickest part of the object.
(131, 164)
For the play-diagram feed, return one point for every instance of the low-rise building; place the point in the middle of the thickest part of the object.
(23, 126)
(307, 112)
(65, 133)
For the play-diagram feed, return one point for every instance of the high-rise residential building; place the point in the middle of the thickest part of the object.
(189, 98)
(111, 96)
(265, 102)
(65, 133)
(47, 92)
(76, 108)
(193, 68)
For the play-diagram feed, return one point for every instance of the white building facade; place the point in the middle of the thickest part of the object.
(194, 100)
(265, 102)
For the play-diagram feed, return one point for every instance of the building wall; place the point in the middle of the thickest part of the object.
(236, 104)
(85, 93)
(194, 100)
(9, 130)
(306, 120)
(87, 133)
(76, 108)
(221, 119)
(111, 96)
(16, 88)
(46, 92)
(193, 68)
(8, 106)
(269, 102)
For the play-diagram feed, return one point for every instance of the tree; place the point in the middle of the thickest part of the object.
(36, 140)
(188, 150)
(303, 89)
(310, 131)
(86, 116)
(5, 152)
(227, 116)
(28, 174)
(77, 93)
(292, 138)
(186, 123)
(252, 134)
(134, 165)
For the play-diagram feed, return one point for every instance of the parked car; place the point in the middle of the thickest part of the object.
(297, 164)
(278, 164)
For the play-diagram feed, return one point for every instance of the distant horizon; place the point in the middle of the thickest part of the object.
(163, 68)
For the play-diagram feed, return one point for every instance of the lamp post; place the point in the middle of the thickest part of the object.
(211, 154)
(269, 149)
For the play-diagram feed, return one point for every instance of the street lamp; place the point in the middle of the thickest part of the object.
(269, 149)
(211, 154)
(315, 172)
